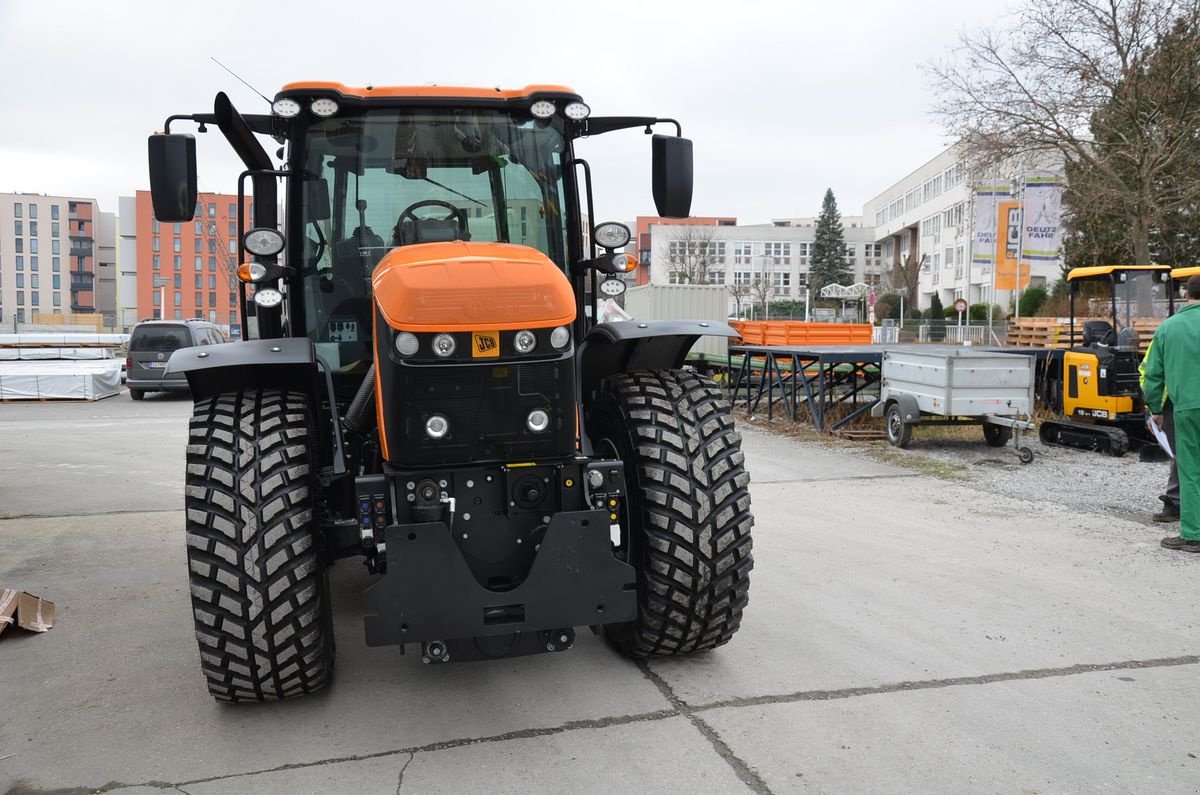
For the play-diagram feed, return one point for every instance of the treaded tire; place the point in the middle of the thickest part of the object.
(996, 435)
(688, 509)
(899, 432)
(136, 394)
(259, 594)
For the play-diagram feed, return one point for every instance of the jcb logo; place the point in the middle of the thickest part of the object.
(485, 345)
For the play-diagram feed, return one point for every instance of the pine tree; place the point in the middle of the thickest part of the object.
(828, 262)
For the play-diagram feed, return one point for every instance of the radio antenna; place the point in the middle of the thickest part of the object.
(243, 82)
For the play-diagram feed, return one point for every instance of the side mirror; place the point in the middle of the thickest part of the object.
(672, 175)
(173, 177)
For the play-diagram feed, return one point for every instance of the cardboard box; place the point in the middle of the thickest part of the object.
(25, 610)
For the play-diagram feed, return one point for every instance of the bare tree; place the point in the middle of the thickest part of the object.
(693, 252)
(907, 275)
(1087, 79)
(739, 292)
(761, 290)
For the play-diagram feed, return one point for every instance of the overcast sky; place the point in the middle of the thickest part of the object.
(781, 99)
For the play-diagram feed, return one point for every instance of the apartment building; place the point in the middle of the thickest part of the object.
(925, 223)
(641, 244)
(778, 253)
(186, 270)
(57, 257)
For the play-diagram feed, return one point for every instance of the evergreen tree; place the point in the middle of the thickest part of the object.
(935, 306)
(827, 265)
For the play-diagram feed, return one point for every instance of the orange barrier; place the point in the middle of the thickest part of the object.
(793, 332)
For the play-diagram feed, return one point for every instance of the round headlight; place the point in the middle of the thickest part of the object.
(263, 242)
(268, 298)
(443, 345)
(437, 426)
(537, 421)
(286, 107)
(611, 234)
(525, 341)
(542, 109)
(406, 343)
(560, 337)
(577, 111)
(323, 107)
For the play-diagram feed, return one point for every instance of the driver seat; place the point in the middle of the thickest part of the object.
(427, 230)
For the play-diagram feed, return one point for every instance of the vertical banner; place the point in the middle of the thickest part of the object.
(1008, 224)
(1043, 217)
(987, 197)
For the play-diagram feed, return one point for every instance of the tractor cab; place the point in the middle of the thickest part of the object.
(1094, 382)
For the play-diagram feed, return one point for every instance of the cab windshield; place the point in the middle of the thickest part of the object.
(387, 178)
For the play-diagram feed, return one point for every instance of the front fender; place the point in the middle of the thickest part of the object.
(287, 363)
(626, 345)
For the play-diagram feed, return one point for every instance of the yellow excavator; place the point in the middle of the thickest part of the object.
(1093, 384)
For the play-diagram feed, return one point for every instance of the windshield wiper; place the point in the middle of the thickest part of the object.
(452, 190)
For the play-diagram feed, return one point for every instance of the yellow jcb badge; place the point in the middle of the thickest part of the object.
(485, 344)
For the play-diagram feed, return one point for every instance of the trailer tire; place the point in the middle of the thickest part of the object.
(996, 435)
(687, 522)
(899, 432)
(259, 591)
(136, 394)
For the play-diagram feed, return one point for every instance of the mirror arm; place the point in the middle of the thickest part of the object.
(602, 124)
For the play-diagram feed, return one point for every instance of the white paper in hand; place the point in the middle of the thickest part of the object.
(1159, 436)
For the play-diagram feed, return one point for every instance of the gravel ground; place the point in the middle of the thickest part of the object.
(1119, 487)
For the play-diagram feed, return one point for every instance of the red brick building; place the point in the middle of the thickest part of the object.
(188, 270)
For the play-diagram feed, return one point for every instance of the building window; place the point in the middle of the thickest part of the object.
(57, 299)
(212, 299)
(20, 280)
(716, 277)
(232, 246)
(178, 281)
(20, 298)
(176, 245)
(179, 314)
(55, 264)
(55, 247)
(33, 281)
(233, 224)
(53, 212)
(198, 245)
(33, 229)
(54, 229)
(157, 298)
(177, 229)
(212, 245)
(212, 282)
(212, 264)
(233, 318)
(19, 245)
(212, 210)
(779, 253)
(741, 278)
(20, 263)
(177, 262)
(850, 252)
(178, 299)
(156, 261)
(199, 299)
(154, 226)
(32, 210)
(781, 282)
(233, 214)
(56, 281)
(154, 243)
(742, 253)
(33, 263)
(199, 262)
(33, 244)
(18, 228)
(33, 296)
(198, 227)
(199, 281)
(17, 210)
(233, 299)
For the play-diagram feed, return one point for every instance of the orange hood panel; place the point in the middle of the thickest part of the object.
(460, 286)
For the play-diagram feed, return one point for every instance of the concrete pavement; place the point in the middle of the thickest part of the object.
(903, 634)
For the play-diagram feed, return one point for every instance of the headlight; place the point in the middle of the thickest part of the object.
(263, 242)
(437, 426)
(268, 298)
(537, 421)
(443, 345)
(560, 337)
(407, 343)
(525, 341)
(577, 111)
(542, 109)
(323, 107)
(286, 108)
(611, 234)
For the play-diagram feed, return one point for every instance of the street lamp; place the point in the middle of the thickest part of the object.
(160, 283)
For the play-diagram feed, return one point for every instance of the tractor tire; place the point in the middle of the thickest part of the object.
(899, 432)
(996, 435)
(259, 591)
(136, 394)
(687, 522)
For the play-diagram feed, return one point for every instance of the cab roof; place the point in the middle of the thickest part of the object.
(1104, 271)
(432, 92)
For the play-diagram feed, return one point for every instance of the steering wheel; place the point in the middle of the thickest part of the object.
(455, 214)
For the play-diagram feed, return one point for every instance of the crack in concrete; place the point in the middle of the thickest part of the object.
(936, 684)
(400, 779)
(679, 708)
(13, 516)
(741, 769)
(888, 476)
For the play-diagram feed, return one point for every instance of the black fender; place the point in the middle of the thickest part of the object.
(626, 345)
(909, 409)
(286, 363)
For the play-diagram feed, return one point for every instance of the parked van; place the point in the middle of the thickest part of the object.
(151, 345)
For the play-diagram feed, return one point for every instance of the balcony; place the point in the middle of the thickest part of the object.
(82, 280)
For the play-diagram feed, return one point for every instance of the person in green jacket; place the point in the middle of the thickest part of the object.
(1170, 367)
(1170, 499)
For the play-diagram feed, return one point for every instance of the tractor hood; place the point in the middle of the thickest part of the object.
(461, 286)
